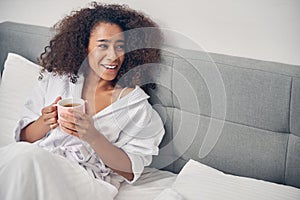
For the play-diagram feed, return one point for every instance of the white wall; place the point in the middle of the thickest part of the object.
(261, 29)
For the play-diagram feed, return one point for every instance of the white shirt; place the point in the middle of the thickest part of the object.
(129, 123)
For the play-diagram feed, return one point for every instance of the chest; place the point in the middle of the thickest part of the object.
(99, 100)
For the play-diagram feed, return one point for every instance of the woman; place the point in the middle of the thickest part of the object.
(89, 153)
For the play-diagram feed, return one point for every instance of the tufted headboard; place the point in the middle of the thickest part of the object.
(239, 115)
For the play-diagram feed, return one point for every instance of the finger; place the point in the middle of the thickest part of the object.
(57, 99)
(52, 115)
(76, 111)
(75, 134)
(88, 109)
(54, 104)
(79, 116)
(64, 129)
(51, 121)
(76, 114)
(69, 125)
(54, 125)
(70, 132)
(47, 110)
(68, 118)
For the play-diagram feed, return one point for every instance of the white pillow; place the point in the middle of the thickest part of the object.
(19, 77)
(198, 181)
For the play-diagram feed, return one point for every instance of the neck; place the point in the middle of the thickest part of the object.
(94, 82)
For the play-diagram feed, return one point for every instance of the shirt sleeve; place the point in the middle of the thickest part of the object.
(142, 139)
(32, 107)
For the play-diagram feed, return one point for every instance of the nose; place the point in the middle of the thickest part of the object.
(111, 54)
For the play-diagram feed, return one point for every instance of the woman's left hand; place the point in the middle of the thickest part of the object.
(79, 124)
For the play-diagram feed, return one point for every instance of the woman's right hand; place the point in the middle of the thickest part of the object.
(49, 115)
(39, 128)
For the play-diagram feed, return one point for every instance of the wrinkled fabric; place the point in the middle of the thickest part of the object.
(29, 172)
(129, 123)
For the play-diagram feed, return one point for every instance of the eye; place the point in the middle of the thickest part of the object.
(120, 47)
(103, 46)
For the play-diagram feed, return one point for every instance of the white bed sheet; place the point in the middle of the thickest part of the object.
(148, 186)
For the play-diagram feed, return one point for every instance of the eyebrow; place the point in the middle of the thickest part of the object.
(105, 40)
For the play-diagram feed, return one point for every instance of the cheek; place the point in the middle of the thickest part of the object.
(122, 58)
(94, 56)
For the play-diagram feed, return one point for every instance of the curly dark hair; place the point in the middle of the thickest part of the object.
(66, 52)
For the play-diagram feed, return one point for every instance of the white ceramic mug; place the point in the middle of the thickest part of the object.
(64, 105)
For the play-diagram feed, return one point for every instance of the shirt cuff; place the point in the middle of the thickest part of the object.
(22, 123)
(137, 165)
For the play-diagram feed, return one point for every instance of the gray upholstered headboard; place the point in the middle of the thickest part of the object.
(261, 133)
(252, 105)
(26, 40)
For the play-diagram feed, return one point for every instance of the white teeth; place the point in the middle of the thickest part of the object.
(110, 66)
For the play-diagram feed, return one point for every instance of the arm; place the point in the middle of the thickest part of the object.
(82, 125)
(114, 157)
(129, 157)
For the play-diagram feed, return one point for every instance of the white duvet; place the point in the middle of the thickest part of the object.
(46, 176)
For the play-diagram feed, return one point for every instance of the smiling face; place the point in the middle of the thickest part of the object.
(106, 50)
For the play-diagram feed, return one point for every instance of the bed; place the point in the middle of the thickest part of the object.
(232, 123)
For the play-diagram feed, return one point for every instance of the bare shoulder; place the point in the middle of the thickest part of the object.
(126, 91)
(120, 92)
